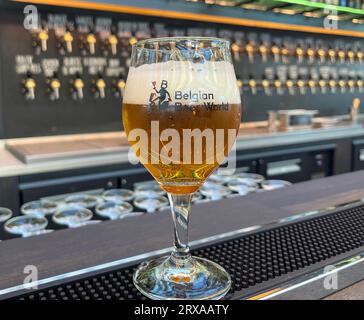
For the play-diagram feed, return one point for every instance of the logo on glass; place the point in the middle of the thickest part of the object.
(160, 97)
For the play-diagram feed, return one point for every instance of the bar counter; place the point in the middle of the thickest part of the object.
(114, 243)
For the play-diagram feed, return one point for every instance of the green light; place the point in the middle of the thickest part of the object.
(324, 6)
(311, 4)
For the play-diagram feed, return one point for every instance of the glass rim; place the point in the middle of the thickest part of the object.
(7, 210)
(42, 222)
(138, 45)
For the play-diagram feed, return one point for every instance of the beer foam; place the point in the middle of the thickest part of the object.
(186, 82)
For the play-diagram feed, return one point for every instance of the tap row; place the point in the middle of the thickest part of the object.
(300, 86)
(99, 87)
(75, 87)
(110, 43)
(284, 54)
(87, 43)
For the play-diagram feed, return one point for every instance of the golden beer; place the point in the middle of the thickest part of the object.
(183, 178)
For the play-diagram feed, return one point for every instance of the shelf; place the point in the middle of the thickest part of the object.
(198, 11)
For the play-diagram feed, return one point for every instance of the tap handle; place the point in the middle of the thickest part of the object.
(356, 104)
(30, 85)
(55, 85)
(354, 109)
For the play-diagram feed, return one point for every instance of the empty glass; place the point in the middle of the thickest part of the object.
(5, 214)
(219, 178)
(148, 189)
(40, 207)
(151, 203)
(26, 225)
(114, 210)
(72, 215)
(249, 178)
(241, 187)
(118, 195)
(275, 184)
(83, 200)
(214, 191)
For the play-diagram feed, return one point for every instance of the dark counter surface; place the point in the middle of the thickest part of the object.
(73, 249)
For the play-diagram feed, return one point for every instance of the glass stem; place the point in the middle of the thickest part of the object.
(181, 207)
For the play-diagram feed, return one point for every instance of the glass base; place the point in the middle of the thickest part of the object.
(168, 278)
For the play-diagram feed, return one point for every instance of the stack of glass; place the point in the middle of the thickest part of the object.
(83, 209)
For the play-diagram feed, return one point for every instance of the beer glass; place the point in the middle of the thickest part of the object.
(181, 114)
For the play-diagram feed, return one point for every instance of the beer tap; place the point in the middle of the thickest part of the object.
(290, 86)
(126, 44)
(332, 85)
(341, 55)
(100, 86)
(284, 54)
(275, 51)
(266, 86)
(121, 86)
(351, 56)
(312, 84)
(91, 42)
(342, 85)
(332, 55)
(249, 48)
(118, 86)
(29, 86)
(263, 49)
(322, 84)
(42, 38)
(360, 83)
(112, 41)
(67, 39)
(54, 87)
(132, 40)
(351, 85)
(235, 48)
(240, 85)
(301, 84)
(299, 53)
(78, 85)
(310, 54)
(321, 52)
(354, 109)
(253, 85)
(278, 85)
(359, 55)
